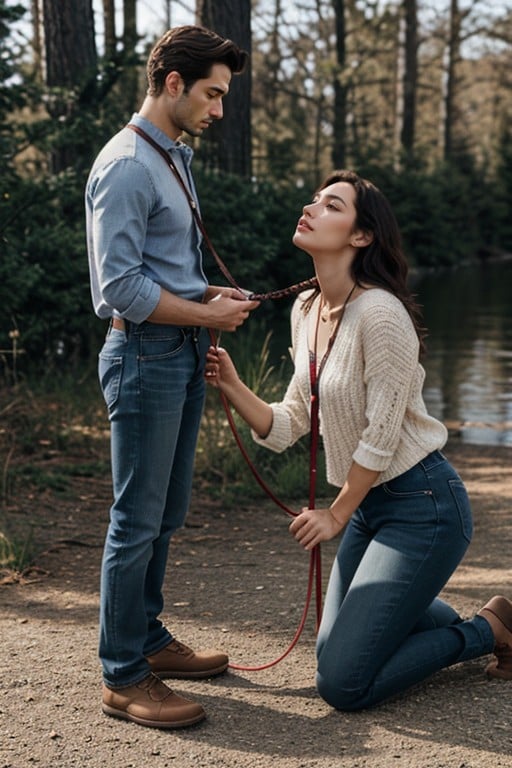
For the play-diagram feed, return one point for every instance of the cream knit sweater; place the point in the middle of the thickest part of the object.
(371, 404)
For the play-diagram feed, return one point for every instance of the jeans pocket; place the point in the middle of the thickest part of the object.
(461, 499)
(154, 348)
(408, 485)
(110, 369)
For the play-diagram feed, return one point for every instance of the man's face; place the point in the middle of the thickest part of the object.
(197, 108)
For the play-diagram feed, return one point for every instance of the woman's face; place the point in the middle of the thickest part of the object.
(328, 223)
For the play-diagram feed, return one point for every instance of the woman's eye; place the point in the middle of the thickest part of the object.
(332, 207)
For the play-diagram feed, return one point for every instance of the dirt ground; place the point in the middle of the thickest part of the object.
(237, 581)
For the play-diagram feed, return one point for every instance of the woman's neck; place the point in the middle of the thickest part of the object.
(334, 275)
(335, 289)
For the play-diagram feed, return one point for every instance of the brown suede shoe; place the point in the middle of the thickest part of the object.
(151, 703)
(498, 612)
(178, 660)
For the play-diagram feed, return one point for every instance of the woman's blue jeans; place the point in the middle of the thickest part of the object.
(153, 383)
(384, 628)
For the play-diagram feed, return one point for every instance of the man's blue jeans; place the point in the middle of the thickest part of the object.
(153, 384)
(384, 628)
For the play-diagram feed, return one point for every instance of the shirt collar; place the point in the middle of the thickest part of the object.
(160, 137)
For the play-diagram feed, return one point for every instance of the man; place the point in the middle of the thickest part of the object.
(147, 276)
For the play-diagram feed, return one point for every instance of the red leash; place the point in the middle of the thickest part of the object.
(315, 574)
(315, 560)
(314, 563)
(315, 570)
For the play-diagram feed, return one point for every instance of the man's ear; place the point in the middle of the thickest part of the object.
(361, 238)
(174, 84)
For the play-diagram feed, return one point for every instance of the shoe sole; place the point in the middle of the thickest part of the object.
(123, 715)
(494, 672)
(179, 675)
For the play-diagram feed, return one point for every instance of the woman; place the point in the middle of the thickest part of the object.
(403, 509)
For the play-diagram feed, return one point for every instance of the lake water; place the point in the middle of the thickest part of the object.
(468, 312)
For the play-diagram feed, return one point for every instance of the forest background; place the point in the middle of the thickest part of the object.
(415, 95)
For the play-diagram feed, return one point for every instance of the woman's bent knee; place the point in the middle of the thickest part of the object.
(346, 700)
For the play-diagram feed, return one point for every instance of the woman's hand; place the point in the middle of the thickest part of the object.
(313, 526)
(220, 370)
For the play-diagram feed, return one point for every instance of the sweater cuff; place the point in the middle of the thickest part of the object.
(280, 436)
(372, 458)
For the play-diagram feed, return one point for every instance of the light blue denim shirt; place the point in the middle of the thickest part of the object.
(141, 235)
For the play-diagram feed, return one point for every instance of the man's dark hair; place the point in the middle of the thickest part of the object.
(191, 51)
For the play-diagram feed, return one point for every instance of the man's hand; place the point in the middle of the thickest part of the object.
(227, 313)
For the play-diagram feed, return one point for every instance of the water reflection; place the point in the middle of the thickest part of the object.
(468, 312)
(469, 365)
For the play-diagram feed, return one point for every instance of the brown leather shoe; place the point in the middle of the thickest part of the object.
(178, 660)
(151, 703)
(498, 612)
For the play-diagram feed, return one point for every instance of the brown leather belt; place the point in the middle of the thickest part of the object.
(119, 324)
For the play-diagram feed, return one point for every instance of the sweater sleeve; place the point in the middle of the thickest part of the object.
(390, 349)
(291, 416)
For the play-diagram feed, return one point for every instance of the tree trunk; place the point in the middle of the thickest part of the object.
(71, 63)
(410, 77)
(228, 142)
(274, 61)
(453, 54)
(37, 44)
(129, 80)
(339, 147)
(109, 21)
(69, 42)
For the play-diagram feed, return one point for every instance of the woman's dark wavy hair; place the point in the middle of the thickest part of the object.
(191, 51)
(382, 263)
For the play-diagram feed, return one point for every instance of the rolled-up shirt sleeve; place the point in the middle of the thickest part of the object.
(120, 201)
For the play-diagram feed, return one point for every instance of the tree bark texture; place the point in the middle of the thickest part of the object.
(340, 88)
(410, 78)
(69, 42)
(71, 64)
(228, 142)
(109, 21)
(453, 54)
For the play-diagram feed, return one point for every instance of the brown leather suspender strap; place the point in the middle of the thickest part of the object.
(192, 203)
(277, 294)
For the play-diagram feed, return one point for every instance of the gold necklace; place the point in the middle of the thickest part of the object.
(332, 315)
(333, 330)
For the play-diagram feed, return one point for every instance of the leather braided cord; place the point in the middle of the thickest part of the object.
(315, 575)
(280, 293)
